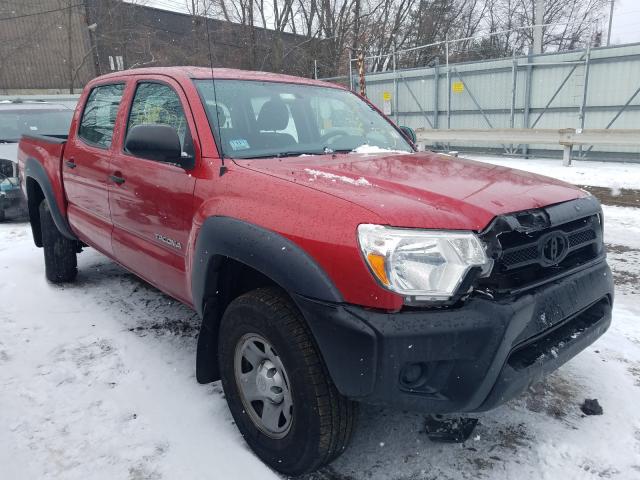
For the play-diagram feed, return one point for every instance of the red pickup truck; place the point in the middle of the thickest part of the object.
(331, 262)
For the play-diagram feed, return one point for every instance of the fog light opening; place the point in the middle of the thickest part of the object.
(412, 374)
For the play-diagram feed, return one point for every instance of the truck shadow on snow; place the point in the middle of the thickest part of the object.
(148, 311)
(386, 444)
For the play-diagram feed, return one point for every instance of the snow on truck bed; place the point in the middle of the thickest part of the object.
(97, 382)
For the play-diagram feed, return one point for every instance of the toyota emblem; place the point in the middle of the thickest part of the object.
(554, 247)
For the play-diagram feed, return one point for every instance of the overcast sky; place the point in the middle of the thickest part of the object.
(626, 21)
(626, 18)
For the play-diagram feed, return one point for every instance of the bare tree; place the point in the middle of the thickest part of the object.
(329, 32)
(571, 24)
(332, 31)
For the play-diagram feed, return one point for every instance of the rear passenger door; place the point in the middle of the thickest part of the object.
(152, 204)
(85, 167)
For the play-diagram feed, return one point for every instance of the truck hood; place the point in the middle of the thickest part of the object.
(421, 190)
(9, 151)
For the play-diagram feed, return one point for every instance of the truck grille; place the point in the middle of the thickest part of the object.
(527, 255)
(521, 249)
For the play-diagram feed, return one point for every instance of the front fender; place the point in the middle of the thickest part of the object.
(264, 250)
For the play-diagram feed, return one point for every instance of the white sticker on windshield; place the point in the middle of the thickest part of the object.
(239, 144)
(33, 128)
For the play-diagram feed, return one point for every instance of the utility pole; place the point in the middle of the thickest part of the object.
(613, 2)
(70, 45)
(537, 29)
(194, 33)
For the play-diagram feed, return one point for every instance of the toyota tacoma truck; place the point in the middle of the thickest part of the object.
(330, 261)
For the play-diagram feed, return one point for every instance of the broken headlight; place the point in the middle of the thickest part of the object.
(428, 265)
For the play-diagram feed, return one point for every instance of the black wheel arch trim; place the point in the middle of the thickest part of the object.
(266, 251)
(34, 169)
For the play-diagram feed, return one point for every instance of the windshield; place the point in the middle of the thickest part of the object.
(268, 119)
(15, 123)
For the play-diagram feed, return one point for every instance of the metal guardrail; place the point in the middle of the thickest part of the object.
(567, 138)
(63, 98)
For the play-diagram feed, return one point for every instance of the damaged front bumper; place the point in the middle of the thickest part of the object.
(470, 358)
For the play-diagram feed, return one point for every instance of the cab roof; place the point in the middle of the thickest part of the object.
(187, 72)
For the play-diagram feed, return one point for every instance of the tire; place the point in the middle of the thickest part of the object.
(60, 259)
(321, 420)
(2, 215)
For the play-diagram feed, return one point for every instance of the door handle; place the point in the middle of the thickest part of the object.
(70, 163)
(116, 179)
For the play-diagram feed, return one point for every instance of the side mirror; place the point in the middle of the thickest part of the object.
(410, 134)
(156, 142)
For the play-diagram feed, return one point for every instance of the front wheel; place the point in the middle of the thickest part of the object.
(277, 387)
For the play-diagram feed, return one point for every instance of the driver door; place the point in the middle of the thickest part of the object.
(151, 202)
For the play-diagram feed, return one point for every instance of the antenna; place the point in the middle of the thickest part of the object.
(223, 169)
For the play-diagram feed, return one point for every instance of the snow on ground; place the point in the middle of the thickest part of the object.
(598, 174)
(97, 379)
(97, 382)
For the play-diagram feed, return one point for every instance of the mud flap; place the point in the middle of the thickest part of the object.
(207, 368)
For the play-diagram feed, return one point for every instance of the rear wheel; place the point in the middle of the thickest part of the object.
(277, 387)
(2, 215)
(60, 259)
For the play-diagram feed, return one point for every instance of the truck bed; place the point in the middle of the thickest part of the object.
(57, 139)
(40, 157)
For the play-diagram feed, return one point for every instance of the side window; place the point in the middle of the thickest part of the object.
(158, 104)
(99, 116)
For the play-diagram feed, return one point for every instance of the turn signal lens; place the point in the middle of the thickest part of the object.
(377, 266)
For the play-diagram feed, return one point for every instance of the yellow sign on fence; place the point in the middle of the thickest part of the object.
(457, 87)
(386, 103)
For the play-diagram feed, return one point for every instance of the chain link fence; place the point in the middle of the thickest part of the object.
(459, 88)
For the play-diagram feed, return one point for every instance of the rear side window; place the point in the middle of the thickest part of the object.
(99, 116)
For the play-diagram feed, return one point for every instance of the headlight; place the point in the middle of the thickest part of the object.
(425, 264)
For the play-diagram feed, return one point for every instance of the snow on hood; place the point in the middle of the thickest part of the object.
(340, 178)
(374, 149)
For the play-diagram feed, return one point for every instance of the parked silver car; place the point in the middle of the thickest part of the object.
(17, 118)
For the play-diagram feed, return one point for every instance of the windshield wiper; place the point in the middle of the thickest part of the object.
(323, 151)
(294, 154)
(282, 155)
(328, 150)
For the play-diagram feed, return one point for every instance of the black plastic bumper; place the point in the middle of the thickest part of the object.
(464, 359)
